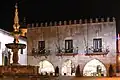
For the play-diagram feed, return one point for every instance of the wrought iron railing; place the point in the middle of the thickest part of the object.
(42, 52)
(67, 52)
(100, 51)
(71, 50)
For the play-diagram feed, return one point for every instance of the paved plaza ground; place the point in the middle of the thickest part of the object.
(96, 78)
(62, 78)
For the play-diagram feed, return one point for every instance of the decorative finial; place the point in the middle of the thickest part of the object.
(70, 22)
(16, 5)
(37, 24)
(32, 24)
(91, 20)
(50, 24)
(24, 20)
(60, 23)
(85, 20)
(41, 24)
(55, 23)
(75, 22)
(46, 24)
(113, 19)
(65, 22)
(96, 20)
(108, 19)
(102, 19)
(80, 21)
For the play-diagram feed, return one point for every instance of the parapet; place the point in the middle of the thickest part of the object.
(70, 22)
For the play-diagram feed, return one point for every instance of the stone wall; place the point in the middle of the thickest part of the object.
(82, 35)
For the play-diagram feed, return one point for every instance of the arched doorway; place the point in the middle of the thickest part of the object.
(94, 68)
(68, 68)
(46, 67)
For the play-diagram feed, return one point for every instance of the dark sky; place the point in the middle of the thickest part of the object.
(54, 10)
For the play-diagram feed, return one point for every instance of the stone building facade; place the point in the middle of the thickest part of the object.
(91, 44)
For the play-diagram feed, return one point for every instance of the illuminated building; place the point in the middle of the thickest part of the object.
(91, 44)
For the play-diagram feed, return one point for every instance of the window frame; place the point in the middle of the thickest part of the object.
(97, 45)
(69, 46)
(41, 47)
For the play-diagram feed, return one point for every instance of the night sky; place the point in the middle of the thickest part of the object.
(49, 10)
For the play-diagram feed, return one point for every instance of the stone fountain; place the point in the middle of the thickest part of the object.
(15, 68)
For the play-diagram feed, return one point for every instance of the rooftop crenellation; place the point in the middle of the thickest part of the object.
(70, 22)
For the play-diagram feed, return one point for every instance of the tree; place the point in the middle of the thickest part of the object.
(77, 73)
(111, 70)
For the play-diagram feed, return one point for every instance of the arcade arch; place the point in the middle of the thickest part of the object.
(46, 67)
(94, 68)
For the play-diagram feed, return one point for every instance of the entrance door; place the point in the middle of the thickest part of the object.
(94, 68)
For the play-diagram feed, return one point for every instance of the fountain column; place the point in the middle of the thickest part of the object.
(15, 56)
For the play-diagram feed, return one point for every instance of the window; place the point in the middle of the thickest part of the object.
(68, 46)
(41, 47)
(97, 45)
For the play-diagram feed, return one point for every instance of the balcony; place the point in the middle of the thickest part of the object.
(92, 52)
(67, 52)
(39, 53)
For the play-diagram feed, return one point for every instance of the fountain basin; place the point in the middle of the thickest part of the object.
(15, 45)
(18, 69)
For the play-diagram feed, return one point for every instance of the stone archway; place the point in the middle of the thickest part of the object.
(94, 68)
(46, 66)
(67, 67)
